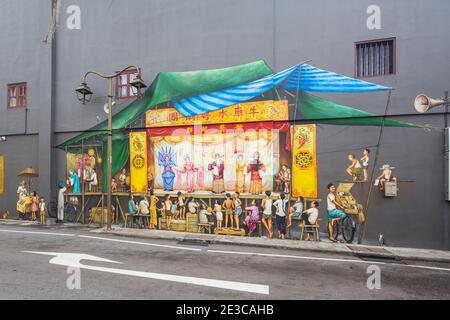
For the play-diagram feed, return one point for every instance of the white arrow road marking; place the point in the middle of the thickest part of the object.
(73, 260)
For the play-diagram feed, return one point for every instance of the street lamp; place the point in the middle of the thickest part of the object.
(84, 94)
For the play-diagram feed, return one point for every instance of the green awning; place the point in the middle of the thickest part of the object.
(319, 110)
(170, 86)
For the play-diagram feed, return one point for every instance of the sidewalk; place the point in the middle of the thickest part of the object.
(362, 251)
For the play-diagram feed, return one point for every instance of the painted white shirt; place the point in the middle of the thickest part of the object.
(281, 207)
(330, 205)
(313, 214)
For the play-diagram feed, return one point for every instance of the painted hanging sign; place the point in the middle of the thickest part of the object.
(2, 174)
(244, 112)
(304, 162)
(138, 162)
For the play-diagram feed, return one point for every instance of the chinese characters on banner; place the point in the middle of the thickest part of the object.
(304, 162)
(2, 174)
(244, 112)
(138, 162)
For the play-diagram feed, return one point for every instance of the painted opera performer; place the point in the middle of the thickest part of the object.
(217, 168)
(240, 174)
(190, 170)
(167, 160)
(256, 169)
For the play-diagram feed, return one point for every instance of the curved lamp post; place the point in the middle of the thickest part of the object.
(84, 94)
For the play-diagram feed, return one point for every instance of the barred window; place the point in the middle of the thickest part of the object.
(375, 58)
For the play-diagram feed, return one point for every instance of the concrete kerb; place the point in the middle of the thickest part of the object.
(295, 245)
(362, 251)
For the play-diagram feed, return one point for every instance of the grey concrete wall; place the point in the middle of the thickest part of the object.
(174, 35)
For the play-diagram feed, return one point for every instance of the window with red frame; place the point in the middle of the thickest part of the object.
(124, 89)
(375, 58)
(17, 95)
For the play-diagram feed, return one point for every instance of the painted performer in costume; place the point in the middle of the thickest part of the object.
(240, 174)
(167, 159)
(256, 169)
(189, 169)
(217, 167)
(74, 181)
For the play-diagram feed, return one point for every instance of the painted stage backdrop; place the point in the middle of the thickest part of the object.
(233, 149)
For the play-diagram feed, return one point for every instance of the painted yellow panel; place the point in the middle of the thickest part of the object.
(138, 162)
(2, 174)
(244, 112)
(304, 161)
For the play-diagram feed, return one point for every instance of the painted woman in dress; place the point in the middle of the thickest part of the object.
(256, 169)
(167, 159)
(217, 167)
(240, 174)
(153, 213)
(189, 169)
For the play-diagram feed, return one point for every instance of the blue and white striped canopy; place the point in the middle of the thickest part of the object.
(311, 79)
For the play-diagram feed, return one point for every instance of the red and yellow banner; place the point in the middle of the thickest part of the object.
(304, 161)
(244, 112)
(2, 174)
(138, 162)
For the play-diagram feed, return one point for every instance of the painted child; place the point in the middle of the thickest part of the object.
(365, 164)
(122, 180)
(237, 205)
(181, 206)
(153, 215)
(252, 219)
(113, 185)
(266, 205)
(228, 205)
(354, 169)
(280, 206)
(296, 210)
(309, 217)
(34, 205)
(219, 214)
(42, 210)
(168, 210)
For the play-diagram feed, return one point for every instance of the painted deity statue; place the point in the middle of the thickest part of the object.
(167, 159)
(217, 167)
(240, 174)
(74, 181)
(189, 169)
(256, 169)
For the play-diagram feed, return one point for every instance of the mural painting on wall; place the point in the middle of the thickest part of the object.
(234, 152)
(83, 171)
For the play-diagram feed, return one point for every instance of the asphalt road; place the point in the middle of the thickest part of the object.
(149, 269)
